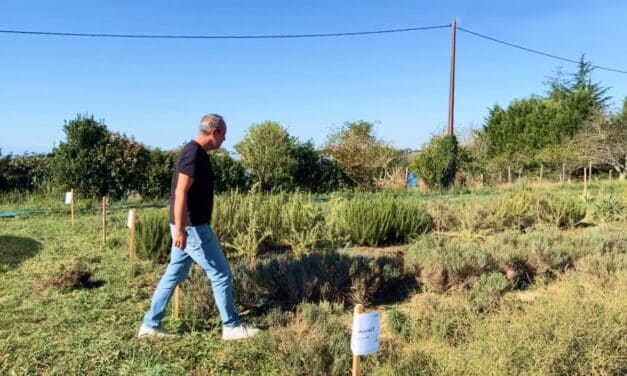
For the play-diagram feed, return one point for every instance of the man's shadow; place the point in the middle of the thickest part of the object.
(16, 249)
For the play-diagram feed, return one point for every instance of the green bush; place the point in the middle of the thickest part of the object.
(375, 220)
(303, 219)
(153, 239)
(486, 292)
(230, 174)
(443, 262)
(518, 210)
(607, 208)
(437, 162)
(563, 211)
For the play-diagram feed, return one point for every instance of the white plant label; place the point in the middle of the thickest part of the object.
(68, 198)
(131, 218)
(365, 337)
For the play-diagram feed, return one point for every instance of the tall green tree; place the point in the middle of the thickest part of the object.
(96, 162)
(266, 152)
(530, 125)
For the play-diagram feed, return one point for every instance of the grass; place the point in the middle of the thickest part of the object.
(572, 320)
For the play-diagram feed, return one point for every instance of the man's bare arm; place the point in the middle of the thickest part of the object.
(180, 202)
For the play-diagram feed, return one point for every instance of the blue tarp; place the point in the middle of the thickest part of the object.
(412, 180)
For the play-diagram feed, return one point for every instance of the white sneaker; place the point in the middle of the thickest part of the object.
(238, 332)
(159, 332)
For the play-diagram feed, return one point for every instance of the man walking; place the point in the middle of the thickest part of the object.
(193, 240)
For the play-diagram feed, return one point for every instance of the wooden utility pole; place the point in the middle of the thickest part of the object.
(451, 90)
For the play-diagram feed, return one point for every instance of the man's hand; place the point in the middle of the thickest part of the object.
(180, 239)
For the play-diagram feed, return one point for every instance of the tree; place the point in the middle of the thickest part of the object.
(97, 162)
(230, 174)
(265, 152)
(602, 142)
(25, 172)
(363, 157)
(316, 172)
(158, 174)
(530, 125)
(437, 162)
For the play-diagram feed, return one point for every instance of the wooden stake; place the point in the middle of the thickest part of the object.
(564, 173)
(356, 358)
(610, 175)
(590, 174)
(72, 205)
(131, 241)
(541, 173)
(585, 182)
(177, 302)
(509, 175)
(104, 221)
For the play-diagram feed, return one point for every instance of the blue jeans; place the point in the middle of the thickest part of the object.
(203, 249)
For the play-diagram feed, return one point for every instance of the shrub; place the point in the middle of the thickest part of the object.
(607, 208)
(437, 162)
(153, 239)
(303, 220)
(443, 263)
(374, 220)
(517, 210)
(158, 175)
(486, 293)
(286, 281)
(230, 174)
(563, 211)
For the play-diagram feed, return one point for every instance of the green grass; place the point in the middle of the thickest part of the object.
(572, 320)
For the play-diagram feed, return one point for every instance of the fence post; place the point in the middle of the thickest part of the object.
(590, 174)
(356, 358)
(509, 175)
(72, 204)
(131, 240)
(541, 173)
(585, 183)
(104, 221)
(610, 175)
(564, 174)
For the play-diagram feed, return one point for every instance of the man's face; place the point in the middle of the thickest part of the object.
(219, 135)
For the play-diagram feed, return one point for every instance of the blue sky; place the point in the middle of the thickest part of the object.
(157, 90)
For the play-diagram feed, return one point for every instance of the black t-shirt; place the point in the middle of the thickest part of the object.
(193, 161)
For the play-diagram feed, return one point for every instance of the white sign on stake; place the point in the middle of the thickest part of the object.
(68, 198)
(365, 337)
(131, 218)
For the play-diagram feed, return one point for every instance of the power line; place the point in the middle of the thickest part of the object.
(536, 51)
(288, 36)
(267, 36)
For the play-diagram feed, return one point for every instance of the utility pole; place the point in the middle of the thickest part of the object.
(451, 91)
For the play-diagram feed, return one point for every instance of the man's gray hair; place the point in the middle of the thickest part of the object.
(212, 121)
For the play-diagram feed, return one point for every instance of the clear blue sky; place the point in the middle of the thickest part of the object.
(157, 90)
